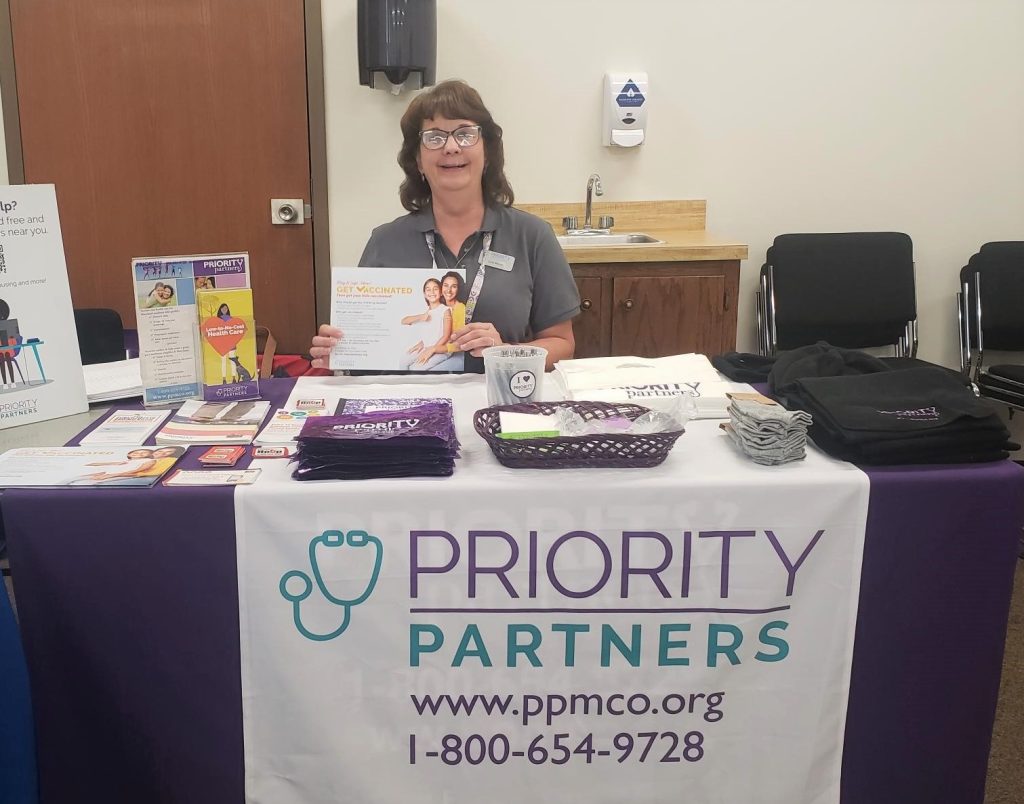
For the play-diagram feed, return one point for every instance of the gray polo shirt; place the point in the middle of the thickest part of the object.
(537, 293)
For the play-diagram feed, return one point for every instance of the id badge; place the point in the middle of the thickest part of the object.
(495, 259)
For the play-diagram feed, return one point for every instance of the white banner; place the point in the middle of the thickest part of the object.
(40, 364)
(643, 635)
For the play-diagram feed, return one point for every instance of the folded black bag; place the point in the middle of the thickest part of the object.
(744, 366)
(922, 415)
(819, 360)
(865, 455)
(909, 401)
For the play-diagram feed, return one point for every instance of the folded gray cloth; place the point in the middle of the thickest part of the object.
(769, 455)
(767, 434)
(768, 414)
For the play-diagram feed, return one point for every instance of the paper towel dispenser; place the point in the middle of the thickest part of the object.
(397, 43)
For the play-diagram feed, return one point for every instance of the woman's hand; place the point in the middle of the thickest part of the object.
(415, 348)
(476, 337)
(424, 356)
(323, 342)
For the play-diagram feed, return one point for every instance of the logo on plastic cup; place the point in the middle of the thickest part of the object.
(523, 384)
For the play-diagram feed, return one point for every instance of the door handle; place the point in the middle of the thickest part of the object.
(628, 304)
(287, 211)
(586, 304)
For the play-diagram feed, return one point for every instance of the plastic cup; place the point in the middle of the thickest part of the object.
(514, 374)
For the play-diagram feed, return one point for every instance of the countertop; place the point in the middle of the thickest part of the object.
(680, 224)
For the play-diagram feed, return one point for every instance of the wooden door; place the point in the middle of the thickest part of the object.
(167, 126)
(667, 315)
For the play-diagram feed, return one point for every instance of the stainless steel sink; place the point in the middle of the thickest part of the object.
(603, 239)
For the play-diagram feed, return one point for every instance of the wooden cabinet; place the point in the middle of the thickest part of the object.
(673, 296)
(653, 309)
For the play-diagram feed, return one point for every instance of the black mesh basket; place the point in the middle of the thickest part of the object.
(599, 450)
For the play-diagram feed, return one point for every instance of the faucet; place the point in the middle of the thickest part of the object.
(606, 222)
(593, 186)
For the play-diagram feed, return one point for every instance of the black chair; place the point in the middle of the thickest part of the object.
(100, 335)
(854, 290)
(991, 313)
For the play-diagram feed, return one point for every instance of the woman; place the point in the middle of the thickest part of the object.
(229, 361)
(162, 295)
(163, 458)
(136, 460)
(460, 210)
(435, 328)
(452, 293)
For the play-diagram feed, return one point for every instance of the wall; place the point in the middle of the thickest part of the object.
(786, 115)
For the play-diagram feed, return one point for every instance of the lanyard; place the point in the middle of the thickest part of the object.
(478, 283)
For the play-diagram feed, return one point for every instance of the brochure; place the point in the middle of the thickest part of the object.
(96, 467)
(285, 425)
(165, 308)
(227, 331)
(40, 365)
(397, 319)
(126, 427)
(214, 423)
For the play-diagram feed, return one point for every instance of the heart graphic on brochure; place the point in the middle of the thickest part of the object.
(223, 335)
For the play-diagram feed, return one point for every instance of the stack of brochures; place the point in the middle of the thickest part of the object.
(214, 423)
(416, 441)
(105, 382)
(99, 467)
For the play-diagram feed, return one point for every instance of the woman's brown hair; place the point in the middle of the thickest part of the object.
(455, 100)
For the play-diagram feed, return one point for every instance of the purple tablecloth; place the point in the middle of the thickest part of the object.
(129, 606)
(17, 742)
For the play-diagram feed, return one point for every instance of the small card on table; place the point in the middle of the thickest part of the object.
(217, 477)
(221, 456)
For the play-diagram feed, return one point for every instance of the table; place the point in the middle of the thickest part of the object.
(130, 613)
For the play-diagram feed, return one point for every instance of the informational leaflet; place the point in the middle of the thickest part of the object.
(285, 425)
(214, 423)
(165, 301)
(40, 365)
(126, 427)
(103, 467)
(227, 330)
(397, 319)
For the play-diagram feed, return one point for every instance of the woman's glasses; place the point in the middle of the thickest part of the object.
(434, 139)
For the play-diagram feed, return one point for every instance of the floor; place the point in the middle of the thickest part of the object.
(1006, 762)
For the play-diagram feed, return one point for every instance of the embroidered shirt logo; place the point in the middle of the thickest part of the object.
(926, 414)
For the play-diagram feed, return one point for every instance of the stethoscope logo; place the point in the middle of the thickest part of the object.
(296, 585)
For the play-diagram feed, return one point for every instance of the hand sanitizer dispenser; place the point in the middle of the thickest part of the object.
(625, 109)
